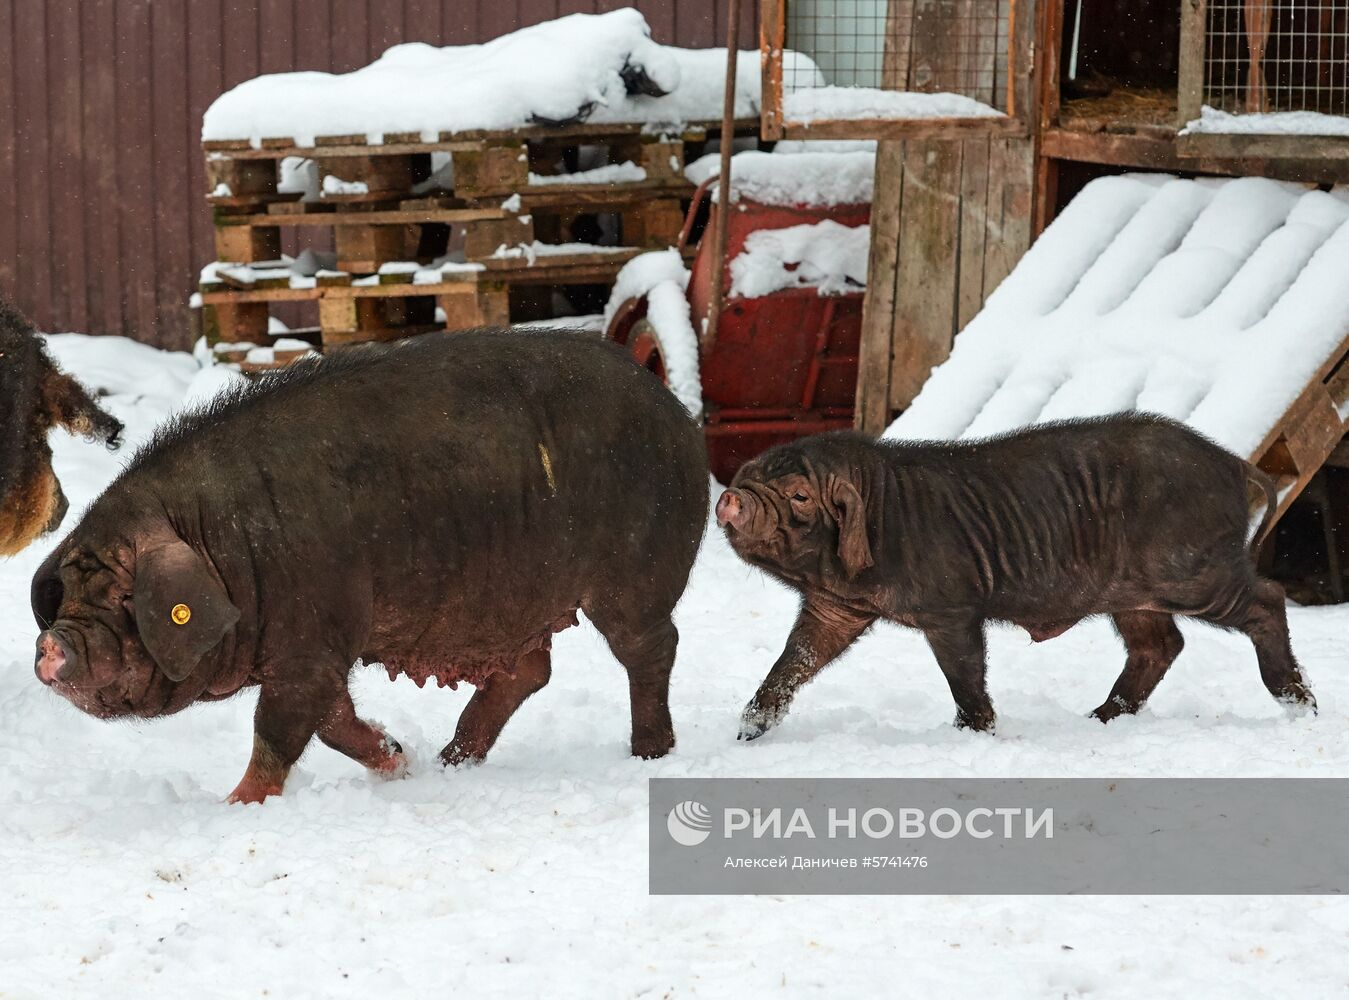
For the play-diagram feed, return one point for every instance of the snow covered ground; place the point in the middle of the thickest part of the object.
(124, 874)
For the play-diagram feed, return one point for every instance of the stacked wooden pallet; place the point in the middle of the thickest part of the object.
(468, 230)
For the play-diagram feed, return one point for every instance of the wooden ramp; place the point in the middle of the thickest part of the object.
(1221, 303)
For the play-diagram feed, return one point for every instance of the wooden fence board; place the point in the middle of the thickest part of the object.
(173, 145)
(135, 163)
(929, 235)
(876, 348)
(32, 142)
(974, 234)
(69, 312)
(9, 237)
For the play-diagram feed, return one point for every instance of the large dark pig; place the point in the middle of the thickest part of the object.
(1132, 516)
(36, 396)
(442, 506)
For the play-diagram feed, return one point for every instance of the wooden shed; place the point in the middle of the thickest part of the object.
(1085, 88)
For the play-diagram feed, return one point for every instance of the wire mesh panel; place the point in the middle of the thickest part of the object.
(1277, 55)
(939, 62)
(925, 46)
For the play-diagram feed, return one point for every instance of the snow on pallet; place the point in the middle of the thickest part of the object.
(600, 70)
(1220, 303)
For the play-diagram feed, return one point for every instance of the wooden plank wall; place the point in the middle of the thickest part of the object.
(950, 219)
(103, 226)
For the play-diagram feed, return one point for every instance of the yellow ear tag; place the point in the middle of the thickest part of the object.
(181, 614)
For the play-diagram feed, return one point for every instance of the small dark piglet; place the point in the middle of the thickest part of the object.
(1132, 516)
(36, 396)
(442, 506)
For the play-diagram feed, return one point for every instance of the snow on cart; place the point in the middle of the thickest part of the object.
(776, 357)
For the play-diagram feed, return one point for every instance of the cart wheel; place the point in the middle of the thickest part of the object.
(645, 348)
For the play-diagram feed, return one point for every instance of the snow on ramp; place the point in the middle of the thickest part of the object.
(1209, 301)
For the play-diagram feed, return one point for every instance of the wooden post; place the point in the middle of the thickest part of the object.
(896, 45)
(772, 38)
(1190, 87)
(501, 169)
(723, 206)
(483, 237)
(247, 244)
(483, 304)
(1046, 86)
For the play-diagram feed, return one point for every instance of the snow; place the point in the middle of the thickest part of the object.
(441, 268)
(125, 874)
(552, 71)
(662, 277)
(400, 267)
(857, 103)
(533, 251)
(824, 255)
(301, 272)
(614, 173)
(1311, 123)
(810, 178)
(1209, 301)
(290, 344)
(299, 175)
(333, 185)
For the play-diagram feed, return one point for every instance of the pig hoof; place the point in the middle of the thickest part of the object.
(1112, 708)
(978, 724)
(394, 766)
(652, 749)
(1298, 703)
(456, 756)
(755, 722)
(249, 793)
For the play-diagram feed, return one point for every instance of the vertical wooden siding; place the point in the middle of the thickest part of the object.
(103, 225)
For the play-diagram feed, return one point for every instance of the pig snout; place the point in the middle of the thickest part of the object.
(52, 657)
(731, 509)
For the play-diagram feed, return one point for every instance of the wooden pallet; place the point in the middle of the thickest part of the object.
(496, 204)
(237, 304)
(493, 200)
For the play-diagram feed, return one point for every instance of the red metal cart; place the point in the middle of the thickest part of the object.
(773, 368)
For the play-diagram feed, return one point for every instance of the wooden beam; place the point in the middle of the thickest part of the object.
(393, 217)
(1158, 154)
(906, 128)
(325, 146)
(1266, 147)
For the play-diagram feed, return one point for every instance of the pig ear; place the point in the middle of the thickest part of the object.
(854, 549)
(182, 611)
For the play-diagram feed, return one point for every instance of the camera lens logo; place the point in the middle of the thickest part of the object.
(690, 823)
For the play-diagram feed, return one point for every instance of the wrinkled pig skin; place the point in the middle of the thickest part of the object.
(441, 506)
(1132, 516)
(36, 396)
